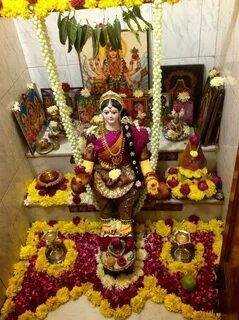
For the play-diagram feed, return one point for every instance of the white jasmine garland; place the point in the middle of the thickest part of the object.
(49, 59)
(157, 81)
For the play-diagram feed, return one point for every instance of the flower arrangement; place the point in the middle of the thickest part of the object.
(41, 8)
(32, 294)
(217, 82)
(194, 185)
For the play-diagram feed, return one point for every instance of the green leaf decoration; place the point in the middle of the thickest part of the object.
(137, 13)
(183, 178)
(133, 17)
(103, 36)
(95, 40)
(77, 43)
(72, 30)
(117, 27)
(86, 33)
(112, 36)
(63, 30)
(59, 20)
(69, 46)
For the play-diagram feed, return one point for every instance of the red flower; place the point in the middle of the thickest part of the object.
(51, 192)
(121, 261)
(202, 185)
(42, 193)
(217, 180)
(185, 189)
(32, 1)
(130, 244)
(0, 4)
(76, 220)
(194, 139)
(193, 218)
(172, 170)
(116, 242)
(79, 169)
(76, 199)
(77, 4)
(52, 222)
(173, 183)
(65, 86)
(63, 186)
(169, 222)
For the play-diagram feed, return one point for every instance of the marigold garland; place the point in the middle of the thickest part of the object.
(150, 288)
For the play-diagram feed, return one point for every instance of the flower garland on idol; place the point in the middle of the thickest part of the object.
(38, 287)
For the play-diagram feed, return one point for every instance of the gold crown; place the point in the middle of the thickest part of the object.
(111, 95)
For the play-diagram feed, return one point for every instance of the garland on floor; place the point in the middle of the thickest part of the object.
(38, 287)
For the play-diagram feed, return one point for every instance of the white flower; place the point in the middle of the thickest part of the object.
(183, 96)
(85, 92)
(138, 183)
(138, 93)
(125, 120)
(92, 130)
(52, 109)
(53, 124)
(114, 174)
(151, 92)
(217, 82)
(86, 198)
(212, 73)
(30, 86)
(16, 106)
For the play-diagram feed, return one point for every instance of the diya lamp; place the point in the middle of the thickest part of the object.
(55, 248)
(182, 249)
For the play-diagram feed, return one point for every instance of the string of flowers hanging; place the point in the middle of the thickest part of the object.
(49, 59)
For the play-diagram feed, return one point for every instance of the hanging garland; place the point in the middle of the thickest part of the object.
(49, 59)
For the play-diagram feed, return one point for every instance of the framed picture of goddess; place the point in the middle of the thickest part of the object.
(122, 70)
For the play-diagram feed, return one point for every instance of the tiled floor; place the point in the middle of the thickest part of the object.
(82, 309)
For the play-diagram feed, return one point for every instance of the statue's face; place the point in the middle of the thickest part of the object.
(111, 115)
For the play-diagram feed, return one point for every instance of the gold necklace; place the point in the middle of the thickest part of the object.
(116, 157)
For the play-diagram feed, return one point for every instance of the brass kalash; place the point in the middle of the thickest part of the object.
(182, 249)
(55, 248)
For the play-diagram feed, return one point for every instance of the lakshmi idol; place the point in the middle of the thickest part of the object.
(117, 160)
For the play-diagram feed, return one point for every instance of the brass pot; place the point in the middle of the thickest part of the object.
(77, 185)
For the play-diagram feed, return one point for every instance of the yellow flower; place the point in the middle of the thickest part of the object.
(217, 82)
(53, 303)
(105, 309)
(195, 194)
(137, 303)
(114, 174)
(211, 188)
(61, 196)
(57, 270)
(122, 313)
(41, 311)
(85, 93)
(14, 8)
(185, 225)
(192, 174)
(27, 251)
(171, 1)
(183, 96)
(90, 4)
(27, 315)
(7, 307)
(162, 229)
(212, 73)
(176, 192)
(76, 292)
(63, 295)
(202, 315)
(172, 303)
(138, 93)
(187, 311)
(94, 296)
(158, 294)
(150, 282)
(109, 3)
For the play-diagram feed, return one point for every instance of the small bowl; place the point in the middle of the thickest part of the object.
(49, 178)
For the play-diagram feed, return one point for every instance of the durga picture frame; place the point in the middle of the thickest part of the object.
(117, 69)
